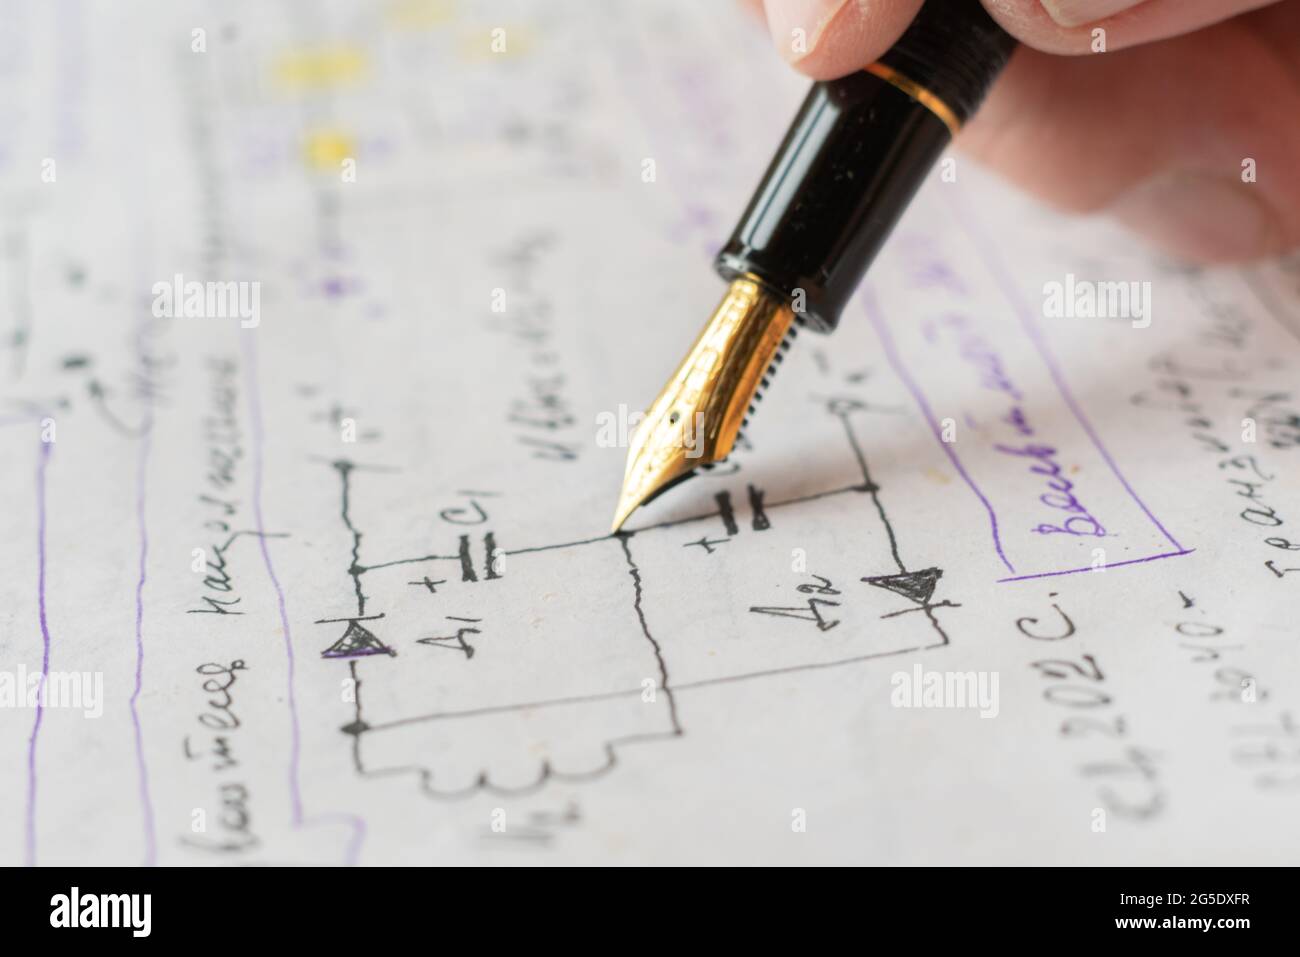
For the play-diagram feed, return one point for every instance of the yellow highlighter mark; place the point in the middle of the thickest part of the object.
(327, 149)
(420, 14)
(320, 69)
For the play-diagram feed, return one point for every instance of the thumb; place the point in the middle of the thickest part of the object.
(830, 38)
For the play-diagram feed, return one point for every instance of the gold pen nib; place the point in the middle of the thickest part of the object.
(699, 414)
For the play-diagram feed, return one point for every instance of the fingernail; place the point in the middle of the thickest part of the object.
(1202, 216)
(797, 25)
(1075, 13)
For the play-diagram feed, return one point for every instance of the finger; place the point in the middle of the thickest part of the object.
(1114, 133)
(829, 38)
(1068, 26)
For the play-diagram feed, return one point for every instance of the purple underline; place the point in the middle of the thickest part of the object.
(256, 430)
(1094, 568)
(142, 769)
(41, 464)
(985, 247)
(248, 348)
(869, 306)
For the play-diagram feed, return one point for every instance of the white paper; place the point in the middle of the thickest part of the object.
(272, 541)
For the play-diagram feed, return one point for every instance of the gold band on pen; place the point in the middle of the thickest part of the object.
(919, 93)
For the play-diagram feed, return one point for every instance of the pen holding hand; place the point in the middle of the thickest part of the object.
(856, 152)
(1159, 117)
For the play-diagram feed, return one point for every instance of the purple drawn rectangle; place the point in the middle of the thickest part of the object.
(1007, 287)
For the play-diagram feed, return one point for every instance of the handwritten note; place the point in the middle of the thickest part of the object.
(992, 580)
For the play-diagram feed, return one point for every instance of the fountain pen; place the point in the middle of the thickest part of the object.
(857, 151)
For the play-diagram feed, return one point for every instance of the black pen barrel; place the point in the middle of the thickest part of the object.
(856, 153)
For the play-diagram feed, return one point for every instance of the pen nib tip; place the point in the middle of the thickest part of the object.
(697, 417)
(621, 515)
